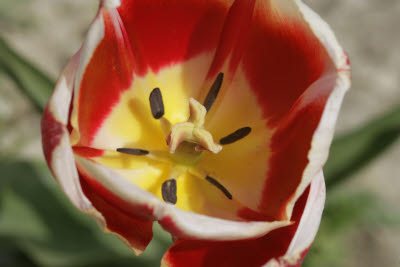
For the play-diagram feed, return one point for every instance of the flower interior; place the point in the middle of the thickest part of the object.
(211, 107)
(196, 148)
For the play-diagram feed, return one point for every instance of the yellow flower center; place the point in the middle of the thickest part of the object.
(187, 142)
(180, 158)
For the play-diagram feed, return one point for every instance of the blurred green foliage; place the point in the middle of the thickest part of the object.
(39, 227)
(356, 149)
(37, 221)
(34, 83)
(343, 211)
(9, 14)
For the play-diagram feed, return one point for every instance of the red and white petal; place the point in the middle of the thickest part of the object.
(340, 81)
(55, 137)
(290, 75)
(135, 232)
(176, 221)
(284, 247)
(303, 135)
(118, 189)
(166, 33)
(188, 225)
(105, 72)
(129, 226)
(308, 225)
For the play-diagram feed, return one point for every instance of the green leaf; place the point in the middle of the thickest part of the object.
(39, 221)
(345, 210)
(11, 18)
(342, 212)
(354, 150)
(31, 81)
(11, 256)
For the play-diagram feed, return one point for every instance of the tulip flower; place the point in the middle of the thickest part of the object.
(213, 118)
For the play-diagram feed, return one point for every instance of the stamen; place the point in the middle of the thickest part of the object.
(168, 191)
(156, 103)
(214, 90)
(233, 137)
(133, 151)
(219, 186)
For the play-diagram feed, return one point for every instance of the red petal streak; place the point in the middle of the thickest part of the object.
(52, 131)
(234, 35)
(248, 253)
(281, 60)
(251, 215)
(170, 226)
(290, 147)
(88, 152)
(132, 210)
(109, 73)
(167, 32)
(121, 218)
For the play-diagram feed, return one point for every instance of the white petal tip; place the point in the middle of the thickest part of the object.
(111, 3)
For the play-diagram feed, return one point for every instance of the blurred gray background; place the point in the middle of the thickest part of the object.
(48, 32)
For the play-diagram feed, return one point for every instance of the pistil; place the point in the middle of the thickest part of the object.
(193, 131)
